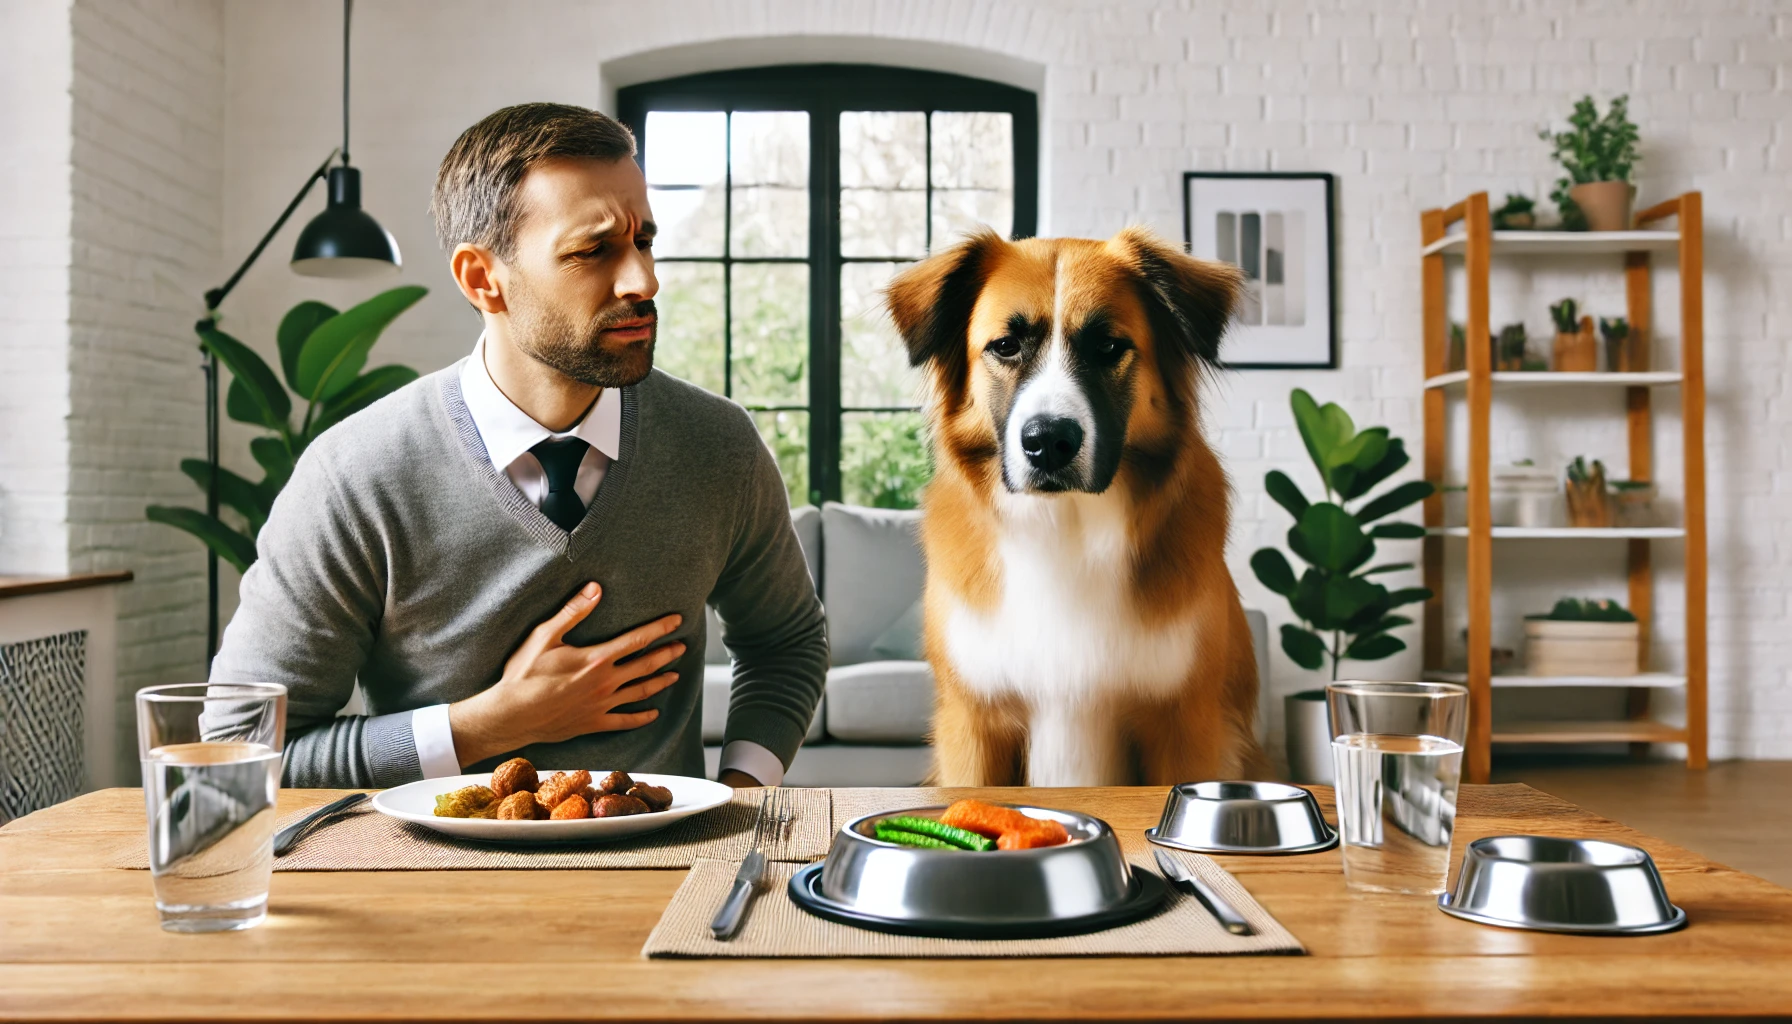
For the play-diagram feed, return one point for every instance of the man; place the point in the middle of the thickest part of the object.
(513, 554)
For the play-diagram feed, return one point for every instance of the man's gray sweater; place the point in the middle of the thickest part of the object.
(398, 555)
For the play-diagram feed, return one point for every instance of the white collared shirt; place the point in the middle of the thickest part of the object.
(508, 433)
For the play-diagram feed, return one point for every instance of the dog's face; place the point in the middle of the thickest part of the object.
(1059, 359)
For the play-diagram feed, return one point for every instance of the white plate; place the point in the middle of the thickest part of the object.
(416, 802)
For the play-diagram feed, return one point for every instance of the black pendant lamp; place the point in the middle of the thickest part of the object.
(343, 241)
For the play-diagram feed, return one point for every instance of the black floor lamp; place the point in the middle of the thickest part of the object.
(342, 241)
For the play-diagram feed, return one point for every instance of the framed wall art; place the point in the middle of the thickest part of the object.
(1277, 228)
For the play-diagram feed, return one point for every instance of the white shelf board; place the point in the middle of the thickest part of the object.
(1567, 532)
(1562, 243)
(1653, 679)
(1515, 378)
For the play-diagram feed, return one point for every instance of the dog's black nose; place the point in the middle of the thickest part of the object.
(1051, 441)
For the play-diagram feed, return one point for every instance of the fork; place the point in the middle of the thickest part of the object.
(767, 824)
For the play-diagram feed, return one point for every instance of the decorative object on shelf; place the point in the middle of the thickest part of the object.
(1511, 350)
(1457, 357)
(1523, 494)
(1598, 154)
(1616, 333)
(321, 356)
(1587, 502)
(1336, 594)
(1518, 213)
(1583, 638)
(1503, 658)
(1277, 229)
(1633, 502)
(341, 242)
(1307, 732)
(1575, 351)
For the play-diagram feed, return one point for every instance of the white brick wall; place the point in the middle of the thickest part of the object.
(34, 266)
(148, 167)
(1411, 106)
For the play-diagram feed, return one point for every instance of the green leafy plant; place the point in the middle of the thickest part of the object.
(1574, 609)
(1580, 473)
(1509, 353)
(322, 353)
(1566, 314)
(1337, 593)
(1516, 212)
(1614, 329)
(1596, 147)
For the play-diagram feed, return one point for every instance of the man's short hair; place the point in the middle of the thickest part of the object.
(475, 198)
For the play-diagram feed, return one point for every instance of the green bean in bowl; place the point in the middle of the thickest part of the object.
(929, 833)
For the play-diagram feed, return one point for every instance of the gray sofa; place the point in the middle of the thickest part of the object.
(871, 728)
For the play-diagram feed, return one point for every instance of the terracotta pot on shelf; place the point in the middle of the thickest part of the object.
(1606, 204)
(1588, 504)
(1577, 352)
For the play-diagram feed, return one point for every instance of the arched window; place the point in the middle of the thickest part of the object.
(786, 198)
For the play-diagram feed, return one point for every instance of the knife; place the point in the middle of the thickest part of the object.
(288, 837)
(728, 918)
(1216, 905)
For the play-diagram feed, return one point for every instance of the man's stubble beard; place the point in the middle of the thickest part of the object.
(551, 338)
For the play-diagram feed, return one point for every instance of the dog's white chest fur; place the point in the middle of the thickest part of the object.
(1065, 638)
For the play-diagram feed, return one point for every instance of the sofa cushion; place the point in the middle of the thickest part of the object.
(806, 520)
(717, 681)
(902, 641)
(880, 702)
(871, 573)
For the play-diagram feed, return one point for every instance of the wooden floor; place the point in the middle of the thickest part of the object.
(1735, 812)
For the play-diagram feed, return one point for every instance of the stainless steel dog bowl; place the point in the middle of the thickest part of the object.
(1582, 886)
(1242, 817)
(1084, 885)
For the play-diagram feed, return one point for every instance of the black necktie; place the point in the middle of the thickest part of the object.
(560, 458)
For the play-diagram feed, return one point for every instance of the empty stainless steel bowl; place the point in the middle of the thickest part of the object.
(1242, 817)
(1583, 886)
(1083, 885)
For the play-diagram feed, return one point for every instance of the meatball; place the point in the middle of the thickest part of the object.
(466, 802)
(561, 786)
(615, 782)
(657, 798)
(574, 806)
(520, 806)
(516, 775)
(617, 805)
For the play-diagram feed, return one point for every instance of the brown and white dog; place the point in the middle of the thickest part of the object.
(1080, 619)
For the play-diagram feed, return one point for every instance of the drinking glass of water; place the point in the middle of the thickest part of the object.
(211, 771)
(1397, 750)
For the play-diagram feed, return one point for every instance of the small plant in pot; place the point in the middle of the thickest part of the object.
(1616, 333)
(1509, 348)
(1517, 214)
(1587, 503)
(1633, 502)
(1598, 154)
(1575, 350)
(1583, 637)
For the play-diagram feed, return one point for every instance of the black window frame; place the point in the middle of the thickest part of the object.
(824, 91)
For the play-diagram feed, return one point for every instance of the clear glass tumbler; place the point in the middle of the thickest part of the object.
(1397, 755)
(211, 771)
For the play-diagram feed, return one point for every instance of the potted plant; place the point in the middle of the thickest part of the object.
(1587, 504)
(1598, 154)
(1616, 333)
(1511, 350)
(1633, 502)
(1457, 357)
(1518, 213)
(1575, 351)
(321, 356)
(1337, 593)
(1583, 638)
(1307, 733)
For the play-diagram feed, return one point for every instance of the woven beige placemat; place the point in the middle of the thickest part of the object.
(777, 927)
(363, 839)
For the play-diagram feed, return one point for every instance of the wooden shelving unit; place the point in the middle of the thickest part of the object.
(1477, 244)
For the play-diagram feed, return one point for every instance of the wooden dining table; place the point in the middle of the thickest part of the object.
(80, 940)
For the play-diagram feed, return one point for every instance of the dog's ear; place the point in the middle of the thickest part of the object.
(1190, 301)
(931, 303)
